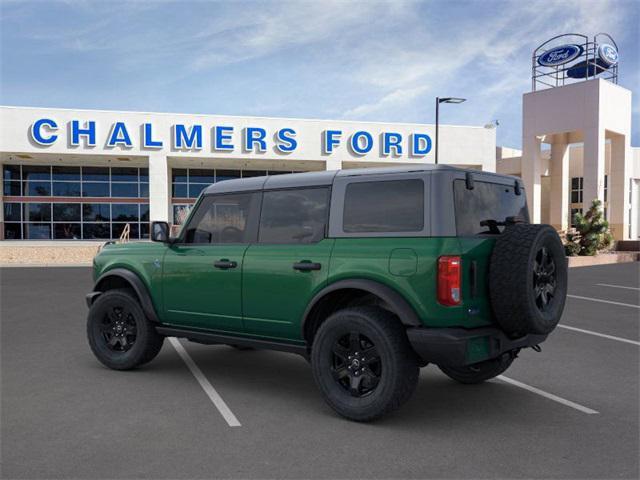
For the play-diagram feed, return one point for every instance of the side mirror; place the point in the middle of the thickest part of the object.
(160, 232)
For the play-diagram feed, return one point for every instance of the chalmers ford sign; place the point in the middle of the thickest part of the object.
(45, 132)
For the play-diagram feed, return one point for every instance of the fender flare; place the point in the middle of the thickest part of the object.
(136, 284)
(400, 306)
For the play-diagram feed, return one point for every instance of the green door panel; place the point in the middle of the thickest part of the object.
(196, 293)
(274, 294)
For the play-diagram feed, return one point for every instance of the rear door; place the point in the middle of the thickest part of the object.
(202, 274)
(289, 263)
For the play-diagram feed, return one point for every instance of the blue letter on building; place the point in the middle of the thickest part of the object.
(286, 141)
(255, 135)
(221, 137)
(36, 133)
(355, 142)
(391, 140)
(89, 131)
(119, 136)
(182, 139)
(330, 140)
(147, 138)
(421, 144)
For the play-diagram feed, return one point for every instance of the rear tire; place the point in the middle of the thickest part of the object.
(363, 364)
(480, 372)
(120, 335)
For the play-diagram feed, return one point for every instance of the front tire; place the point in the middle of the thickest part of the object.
(120, 335)
(479, 372)
(363, 364)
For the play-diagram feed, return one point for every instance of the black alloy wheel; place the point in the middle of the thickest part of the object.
(356, 364)
(118, 329)
(544, 278)
(363, 363)
(119, 333)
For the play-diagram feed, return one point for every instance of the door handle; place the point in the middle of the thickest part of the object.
(306, 266)
(225, 264)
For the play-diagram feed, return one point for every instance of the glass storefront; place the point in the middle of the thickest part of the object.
(77, 202)
(187, 183)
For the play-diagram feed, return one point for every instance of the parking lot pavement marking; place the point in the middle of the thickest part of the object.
(211, 392)
(616, 286)
(610, 337)
(548, 395)
(604, 301)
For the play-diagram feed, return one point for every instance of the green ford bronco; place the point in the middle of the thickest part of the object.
(369, 274)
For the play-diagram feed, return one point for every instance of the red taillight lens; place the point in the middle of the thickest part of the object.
(449, 280)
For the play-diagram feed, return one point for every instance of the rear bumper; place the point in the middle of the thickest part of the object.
(458, 347)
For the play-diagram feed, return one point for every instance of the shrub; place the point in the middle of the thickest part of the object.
(591, 233)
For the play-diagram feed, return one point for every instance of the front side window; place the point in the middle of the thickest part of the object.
(384, 206)
(294, 216)
(224, 219)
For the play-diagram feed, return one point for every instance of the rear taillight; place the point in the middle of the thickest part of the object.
(449, 280)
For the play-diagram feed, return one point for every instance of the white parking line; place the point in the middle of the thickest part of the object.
(548, 395)
(610, 337)
(604, 301)
(616, 286)
(217, 400)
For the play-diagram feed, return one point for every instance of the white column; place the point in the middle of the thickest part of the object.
(531, 172)
(593, 166)
(159, 188)
(333, 164)
(618, 188)
(559, 204)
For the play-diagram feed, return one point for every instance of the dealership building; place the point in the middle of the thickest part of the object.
(87, 174)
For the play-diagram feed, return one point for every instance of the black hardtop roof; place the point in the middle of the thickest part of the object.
(315, 179)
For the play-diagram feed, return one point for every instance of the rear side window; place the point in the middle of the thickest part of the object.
(384, 206)
(224, 219)
(294, 216)
(487, 201)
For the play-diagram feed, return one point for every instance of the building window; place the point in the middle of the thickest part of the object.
(576, 189)
(573, 212)
(64, 212)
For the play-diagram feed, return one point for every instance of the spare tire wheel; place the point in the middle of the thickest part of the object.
(528, 279)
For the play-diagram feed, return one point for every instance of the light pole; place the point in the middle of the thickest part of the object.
(438, 102)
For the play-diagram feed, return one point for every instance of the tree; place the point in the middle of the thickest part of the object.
(591, 233)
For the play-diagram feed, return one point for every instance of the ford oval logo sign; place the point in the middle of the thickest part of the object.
(560, 55)
(608, 54)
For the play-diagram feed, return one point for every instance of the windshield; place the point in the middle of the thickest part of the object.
(486, 201)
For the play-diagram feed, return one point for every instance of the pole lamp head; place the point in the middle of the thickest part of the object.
(451, 100)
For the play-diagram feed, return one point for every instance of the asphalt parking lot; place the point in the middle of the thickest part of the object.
(568, 412)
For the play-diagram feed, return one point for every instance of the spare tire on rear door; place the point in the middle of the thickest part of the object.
(528, 279)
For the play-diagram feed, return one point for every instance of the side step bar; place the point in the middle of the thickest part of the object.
(210, 338)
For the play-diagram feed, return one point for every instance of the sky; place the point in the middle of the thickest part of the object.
(366, 60)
